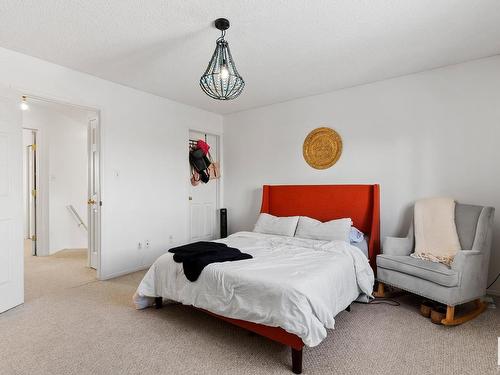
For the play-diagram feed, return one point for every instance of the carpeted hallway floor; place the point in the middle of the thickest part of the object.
(72, 324)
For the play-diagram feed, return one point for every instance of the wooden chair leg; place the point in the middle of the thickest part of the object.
(450, 313)
(451, 320)
(297, 361)
(380, 290)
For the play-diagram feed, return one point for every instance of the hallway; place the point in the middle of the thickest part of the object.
(47, 275)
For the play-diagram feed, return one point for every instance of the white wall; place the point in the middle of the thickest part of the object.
(427, 134)
(67, 182)
(62, 156)
(144, 141)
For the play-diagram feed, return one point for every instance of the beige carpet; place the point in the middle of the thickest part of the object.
(62, 270)
(79, 326)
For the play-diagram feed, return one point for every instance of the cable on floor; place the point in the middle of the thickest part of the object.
(381, 301)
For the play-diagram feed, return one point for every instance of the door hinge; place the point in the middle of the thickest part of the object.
(33, 237)
(33, 147)
(33, 192)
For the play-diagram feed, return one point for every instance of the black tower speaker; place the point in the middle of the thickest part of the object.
(223, 222)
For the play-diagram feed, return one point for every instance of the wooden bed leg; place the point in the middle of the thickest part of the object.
(297, 361)
(380, 290)
(158, 302)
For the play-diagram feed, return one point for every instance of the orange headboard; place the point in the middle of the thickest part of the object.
(327, 202)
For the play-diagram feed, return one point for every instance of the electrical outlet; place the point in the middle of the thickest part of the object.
(139, 245)
(148, 243)
(171, 238)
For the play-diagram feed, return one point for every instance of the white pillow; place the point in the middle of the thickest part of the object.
(282, 226)
(339, 229)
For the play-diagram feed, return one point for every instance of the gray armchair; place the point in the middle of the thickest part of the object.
(466, 279)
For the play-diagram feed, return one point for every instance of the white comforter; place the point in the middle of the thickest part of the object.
(297, 284)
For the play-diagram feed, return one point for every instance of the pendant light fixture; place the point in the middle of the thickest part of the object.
(221, 80)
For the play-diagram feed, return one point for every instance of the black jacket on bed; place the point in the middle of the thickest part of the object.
(196, 256)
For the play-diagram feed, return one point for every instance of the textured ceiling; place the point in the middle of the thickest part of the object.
(283, 49)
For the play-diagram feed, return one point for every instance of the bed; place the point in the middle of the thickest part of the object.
(282, 292)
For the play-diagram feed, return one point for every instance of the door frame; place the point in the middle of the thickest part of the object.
(40, 139)
(218, 157)
(32, 192)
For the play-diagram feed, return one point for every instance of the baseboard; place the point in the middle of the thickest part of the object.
(493, 292)
(123, 273)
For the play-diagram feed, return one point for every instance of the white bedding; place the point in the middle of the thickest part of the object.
(297, 284)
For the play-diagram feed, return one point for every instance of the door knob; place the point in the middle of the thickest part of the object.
(91, 201)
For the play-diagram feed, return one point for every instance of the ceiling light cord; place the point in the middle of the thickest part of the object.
(221, 38)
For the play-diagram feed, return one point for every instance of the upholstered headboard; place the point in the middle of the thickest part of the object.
(327, 202)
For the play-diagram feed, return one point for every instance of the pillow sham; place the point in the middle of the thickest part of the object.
(362, 245)
(332, 230)
(281, 226)
(356, 235)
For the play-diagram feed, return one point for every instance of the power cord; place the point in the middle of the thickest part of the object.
(381, 301)
(494, 281)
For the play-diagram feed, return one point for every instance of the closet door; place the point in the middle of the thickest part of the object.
(11, 203)
(204, 198)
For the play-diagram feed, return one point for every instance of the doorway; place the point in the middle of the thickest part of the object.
(204, 198)
(61, 182)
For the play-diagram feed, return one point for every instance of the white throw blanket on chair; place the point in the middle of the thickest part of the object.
(436, 237)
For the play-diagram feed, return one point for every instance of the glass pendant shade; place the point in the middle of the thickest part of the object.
(221, 80)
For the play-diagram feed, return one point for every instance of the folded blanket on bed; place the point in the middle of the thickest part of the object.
(196, 256)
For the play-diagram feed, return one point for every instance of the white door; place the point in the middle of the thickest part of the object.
(94, 198)
(203, 198)
(11, 203)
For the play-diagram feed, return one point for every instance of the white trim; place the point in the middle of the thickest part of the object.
(124, 273)
(493, 292)
(50, 98)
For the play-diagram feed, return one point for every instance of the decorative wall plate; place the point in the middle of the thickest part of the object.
(322, 148)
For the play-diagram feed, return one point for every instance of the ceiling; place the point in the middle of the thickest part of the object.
(283, 49)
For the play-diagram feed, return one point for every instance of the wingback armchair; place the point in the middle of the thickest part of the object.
(463, 282)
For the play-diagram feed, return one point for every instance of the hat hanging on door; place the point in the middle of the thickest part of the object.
(202, 145)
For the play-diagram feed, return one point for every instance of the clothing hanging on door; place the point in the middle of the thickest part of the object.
(203, 168)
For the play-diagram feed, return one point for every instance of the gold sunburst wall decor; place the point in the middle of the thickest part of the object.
(322, 148)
